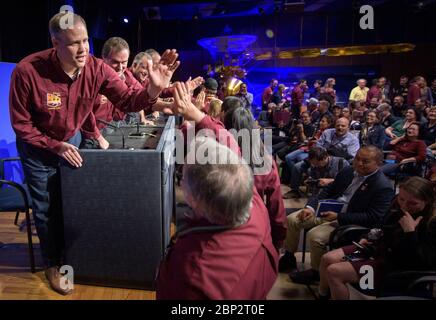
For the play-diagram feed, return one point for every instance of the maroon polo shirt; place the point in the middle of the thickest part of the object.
(239, 263)
(373, 92)
(410, 149)
(413, 94)
(297, 96)
(268, 187)
(267, 95)
(47, 106)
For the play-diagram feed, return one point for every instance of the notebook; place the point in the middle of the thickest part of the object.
(329, 205)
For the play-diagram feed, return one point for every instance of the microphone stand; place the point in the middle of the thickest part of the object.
(116, 128)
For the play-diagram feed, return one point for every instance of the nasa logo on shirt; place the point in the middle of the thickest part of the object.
(54, 101)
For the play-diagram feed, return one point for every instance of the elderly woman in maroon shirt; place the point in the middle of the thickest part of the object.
(408, 151)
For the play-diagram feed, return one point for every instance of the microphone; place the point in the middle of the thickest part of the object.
(116, 128)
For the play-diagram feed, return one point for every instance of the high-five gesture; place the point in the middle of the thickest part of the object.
(161, 73)
(183, 104)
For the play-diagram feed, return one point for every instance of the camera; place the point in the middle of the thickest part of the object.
(312, 182)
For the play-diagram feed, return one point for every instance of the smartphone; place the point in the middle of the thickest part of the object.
(358, 245)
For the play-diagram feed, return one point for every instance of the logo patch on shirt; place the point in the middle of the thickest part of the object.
(54, 101)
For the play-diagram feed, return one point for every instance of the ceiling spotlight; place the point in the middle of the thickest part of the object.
(126, 20)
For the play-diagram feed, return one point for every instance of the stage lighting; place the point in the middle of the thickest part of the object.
(126, 20)
(269, 33)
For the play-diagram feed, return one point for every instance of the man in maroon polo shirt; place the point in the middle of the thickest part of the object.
(225, 250)
(297, 96)
(115, 53)
(51, 97)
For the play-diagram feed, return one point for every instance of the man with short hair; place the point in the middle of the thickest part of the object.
(379, 91)
(268, 93)
(398, 106)
(245, 96)
(402, 89)
(225, 250)
(51, 97)
(414, 93)
(387, 118)
(316, 92)
(359, 93)
(323, 108)
(139, 67)
(367, 195)
(297, 96)
(115, 54)
(338, 142)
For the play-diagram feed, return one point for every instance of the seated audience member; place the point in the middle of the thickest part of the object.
(372, 132)
(408, 152)
(323, 168)
(301, 154)
(373, 104)
(387, 118)
(429, 131)
(312, 108)
(398, 129)
(228, 224)
(367, 195)
(356, 120)
(402, 89)
(266, 176)
(215, 108)
(399, 107)
(337, 112)
(420, 107)
(408, 243)
(323, 109)
(229, 103)
(245, 96)
(346, 113)
(414, 92)
(300, 132)
(338, 142)
(265, 118)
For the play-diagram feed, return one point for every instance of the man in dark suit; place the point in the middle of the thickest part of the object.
(367, 195)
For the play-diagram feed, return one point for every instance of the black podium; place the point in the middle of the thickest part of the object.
(117, 209)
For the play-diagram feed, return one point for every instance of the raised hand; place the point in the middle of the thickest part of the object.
(194, 83)
(183, 104)
(71, 154)
(160, 74)
(199, 100)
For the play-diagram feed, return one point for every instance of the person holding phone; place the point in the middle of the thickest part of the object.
(408, 242)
